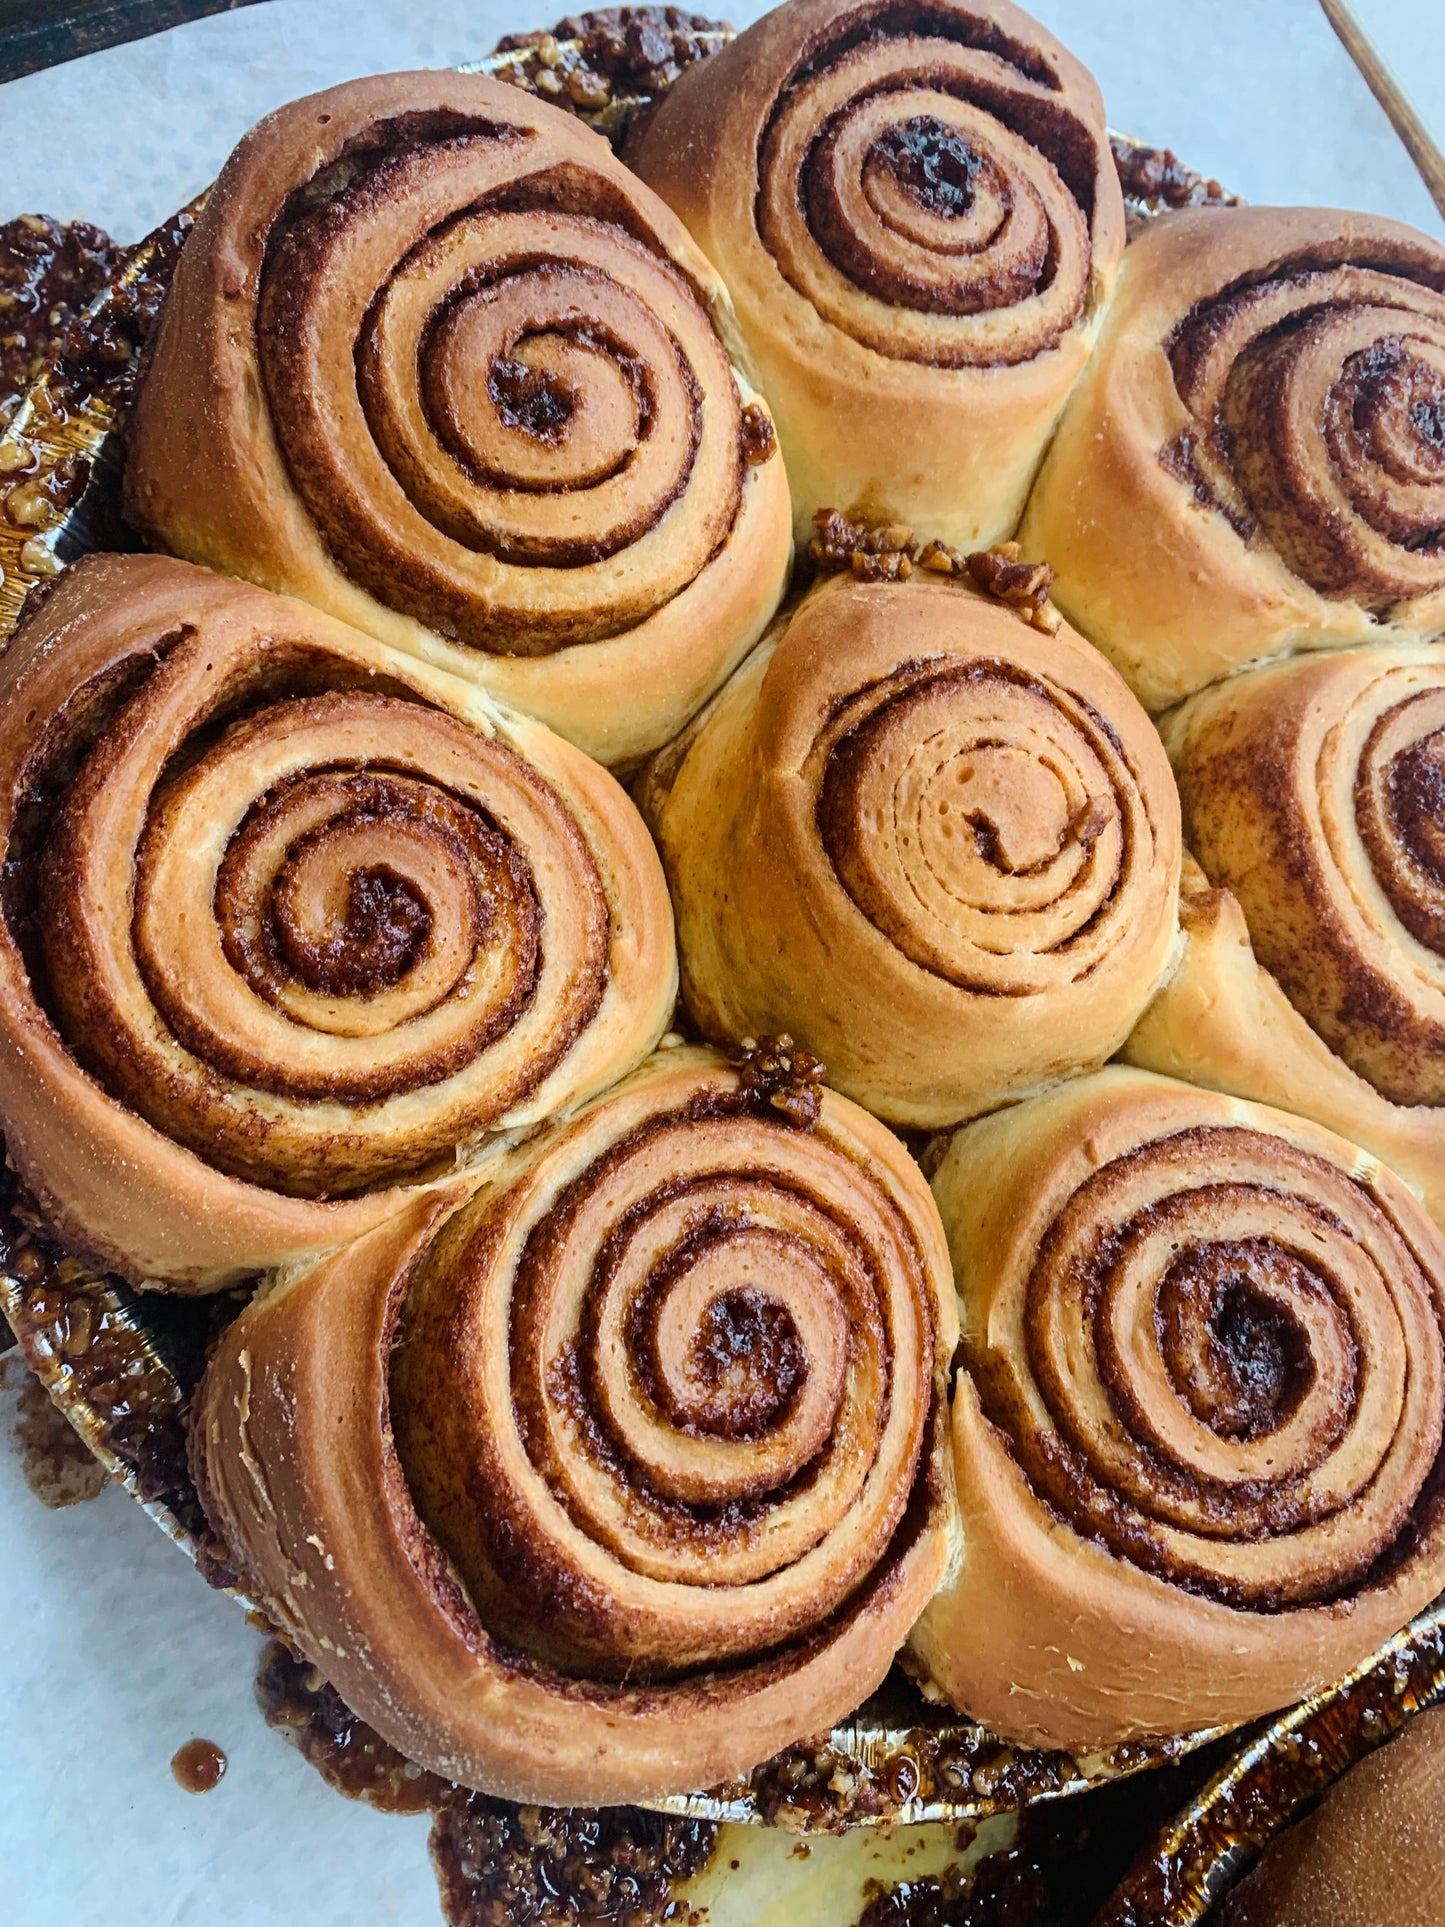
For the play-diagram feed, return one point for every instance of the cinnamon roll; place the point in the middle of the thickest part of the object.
(938, 846)
(436, 362)
(632, 1474)
(1197, 1433)
(1312, 798)
(1255, 460)
(918, 216)
(293, 924)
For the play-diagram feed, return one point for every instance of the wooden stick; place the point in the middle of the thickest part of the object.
(1414, 135)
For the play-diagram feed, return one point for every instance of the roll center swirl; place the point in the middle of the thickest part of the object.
(740, 1369)
(982, 819)
(929, 203)
(370, 946)
(1320, 398)
(1237, 1352)
(931, 162)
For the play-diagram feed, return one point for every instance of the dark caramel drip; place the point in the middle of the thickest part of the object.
(298, 1702)
(198, 1766)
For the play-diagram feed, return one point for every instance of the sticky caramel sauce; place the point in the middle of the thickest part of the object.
(198, 1766)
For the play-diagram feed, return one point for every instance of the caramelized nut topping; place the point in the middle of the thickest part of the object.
(48, 272)
(875, 552)
(789, 1081)
(759, 437)
(887, 552)
(1024, 585)
(1154, 178)
(616, 58)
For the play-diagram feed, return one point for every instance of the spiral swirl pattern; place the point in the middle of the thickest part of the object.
(678, 1373)
(721, 1359)
(1314, 792)
(1256, 458)
(918, 217)
(1321, 400)
(492, 397)
(1235, 1364)
(986, 821)
(521, 389)
(293, 910)
(927, 198)
(1213, 1348)
(973, 850)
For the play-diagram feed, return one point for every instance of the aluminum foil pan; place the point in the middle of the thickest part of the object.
(122, 1365)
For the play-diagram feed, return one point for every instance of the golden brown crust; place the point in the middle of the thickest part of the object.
(1222, 1021)
(919, 220)
(1198, 1434)
(1255, 459)
(437, 363)
(678, 1371)
(937, 846)
(1371, 1852)
(292, 924)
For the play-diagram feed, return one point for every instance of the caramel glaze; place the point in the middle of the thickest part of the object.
(348, 1754)
(126, 1362)
(1371, 1851)
(199, 1766)
(1062, 1865)
(49, 272)
(501, 1865)
(505, 1866)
